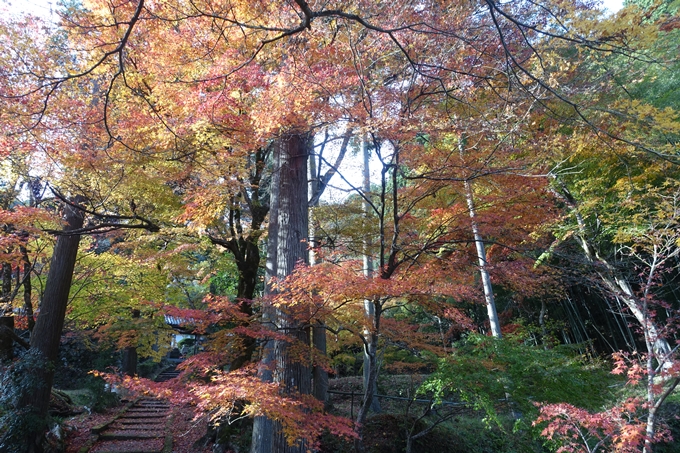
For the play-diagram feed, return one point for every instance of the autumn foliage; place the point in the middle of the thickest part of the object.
(521, 155)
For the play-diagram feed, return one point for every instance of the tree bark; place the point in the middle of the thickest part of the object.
(6, 339)
(47, 332)
(481, 254)
(28, 288)
(129, 361)
(293, 374)
(319, 373)
(6, 316)
(288, 234)
(263, 427)
(370, 352)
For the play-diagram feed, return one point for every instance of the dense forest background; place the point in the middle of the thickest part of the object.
(471, 207)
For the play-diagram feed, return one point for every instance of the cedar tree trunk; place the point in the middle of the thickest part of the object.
(47, 332)
(288, 229)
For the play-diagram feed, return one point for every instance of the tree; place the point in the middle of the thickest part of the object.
(47, 331)
(287, 247)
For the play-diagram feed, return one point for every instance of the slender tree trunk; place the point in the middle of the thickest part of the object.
(288, 235)
(6, 340)
(6, 285)
(319, 373)
(370, 385)
(370, 350)
(248, 263)
(6, 316)
(318, 185)
(47, 332)
(651, 400)
(263, 427)
(481, 254)
(28, 288)
(129, 362)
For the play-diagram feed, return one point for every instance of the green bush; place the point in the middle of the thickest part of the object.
(102, 397)
(485, 370)
(386, 433)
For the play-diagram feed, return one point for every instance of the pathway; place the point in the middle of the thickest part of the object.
(142, 427)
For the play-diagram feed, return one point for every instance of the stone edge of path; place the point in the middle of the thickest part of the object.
(167, 445)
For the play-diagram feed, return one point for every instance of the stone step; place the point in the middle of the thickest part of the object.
(142, 428)
(140, 446)
(144, 415)
(137, 426)
(167, 375)
(129, 434)
(128, 419)
(148, 411)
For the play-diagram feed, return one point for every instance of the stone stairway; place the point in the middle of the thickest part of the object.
(167, 374)
(142, 427)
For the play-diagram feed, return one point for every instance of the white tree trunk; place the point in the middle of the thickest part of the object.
(370, 385)
(481, 254)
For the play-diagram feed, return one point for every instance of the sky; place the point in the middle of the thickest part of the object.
(40, 8)
(43, 8)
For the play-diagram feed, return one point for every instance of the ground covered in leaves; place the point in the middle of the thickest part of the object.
(187, 432)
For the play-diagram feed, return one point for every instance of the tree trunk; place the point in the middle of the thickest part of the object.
(319, 373)
(370, 386)
(6, 286)
(248, 263)
(263, 427)
(246, 252)
(481, 254)
(318, 184)
(288, 227)
(292, 233)
(28, 303)
(370, 351)
(47, 332)
(129, 361)
(6, 316)
(6, 340)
